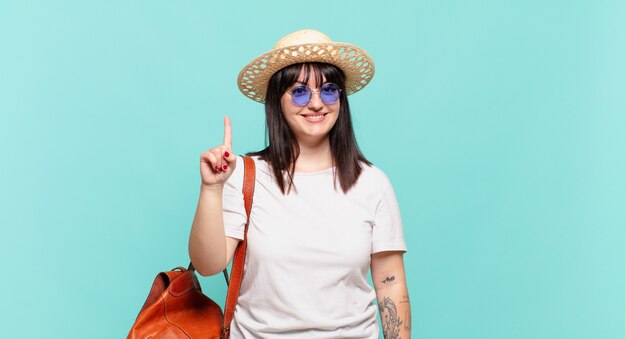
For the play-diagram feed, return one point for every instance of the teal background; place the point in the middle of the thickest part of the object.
(500, 123)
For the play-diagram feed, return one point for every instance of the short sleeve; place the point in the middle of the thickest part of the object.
(387, 234)
(232, 203)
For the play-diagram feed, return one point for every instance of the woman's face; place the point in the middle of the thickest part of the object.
(312, 122)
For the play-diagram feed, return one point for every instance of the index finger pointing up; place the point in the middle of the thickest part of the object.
(228, 133)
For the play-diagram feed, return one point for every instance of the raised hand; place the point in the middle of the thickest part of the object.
(218, 163)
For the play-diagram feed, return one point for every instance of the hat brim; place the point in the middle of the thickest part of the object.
(352, 60)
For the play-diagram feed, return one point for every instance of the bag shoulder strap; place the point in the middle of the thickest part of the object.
(239, 258)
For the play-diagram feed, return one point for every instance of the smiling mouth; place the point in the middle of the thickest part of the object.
(314, 117)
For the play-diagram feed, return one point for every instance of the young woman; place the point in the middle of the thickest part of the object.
(322, 215)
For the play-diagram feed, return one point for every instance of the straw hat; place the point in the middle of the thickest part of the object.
(306, 45)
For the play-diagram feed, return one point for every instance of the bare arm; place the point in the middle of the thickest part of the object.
(209, 249)
(392, 294)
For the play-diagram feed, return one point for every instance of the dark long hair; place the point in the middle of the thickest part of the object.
(282, 147)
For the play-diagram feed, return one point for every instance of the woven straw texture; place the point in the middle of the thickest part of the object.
(355, 62)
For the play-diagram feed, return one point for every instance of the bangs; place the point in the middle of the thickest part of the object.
(291, 74)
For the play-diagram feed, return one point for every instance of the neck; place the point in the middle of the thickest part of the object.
(314, 156)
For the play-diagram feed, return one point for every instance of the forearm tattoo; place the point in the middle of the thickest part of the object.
(389, 317)
(389, 279)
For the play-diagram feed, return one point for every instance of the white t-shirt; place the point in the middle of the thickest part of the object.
(309, 253)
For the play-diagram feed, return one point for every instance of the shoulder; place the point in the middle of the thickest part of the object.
(236, 178)
(372, 180)
(261, 166)
(262, 169)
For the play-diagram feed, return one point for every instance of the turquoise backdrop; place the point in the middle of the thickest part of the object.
(502, 125)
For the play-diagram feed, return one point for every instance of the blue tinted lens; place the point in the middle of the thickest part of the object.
(301, 95)
(329, 93)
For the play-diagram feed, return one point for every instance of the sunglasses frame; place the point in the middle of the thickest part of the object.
(314, 91)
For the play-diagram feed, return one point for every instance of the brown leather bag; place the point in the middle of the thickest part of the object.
(176, 306)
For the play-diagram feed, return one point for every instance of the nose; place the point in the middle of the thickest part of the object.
(315, 104)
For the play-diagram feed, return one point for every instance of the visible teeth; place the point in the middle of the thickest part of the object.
(314, 116)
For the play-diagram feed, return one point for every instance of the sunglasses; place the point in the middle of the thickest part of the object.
(301, 95)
